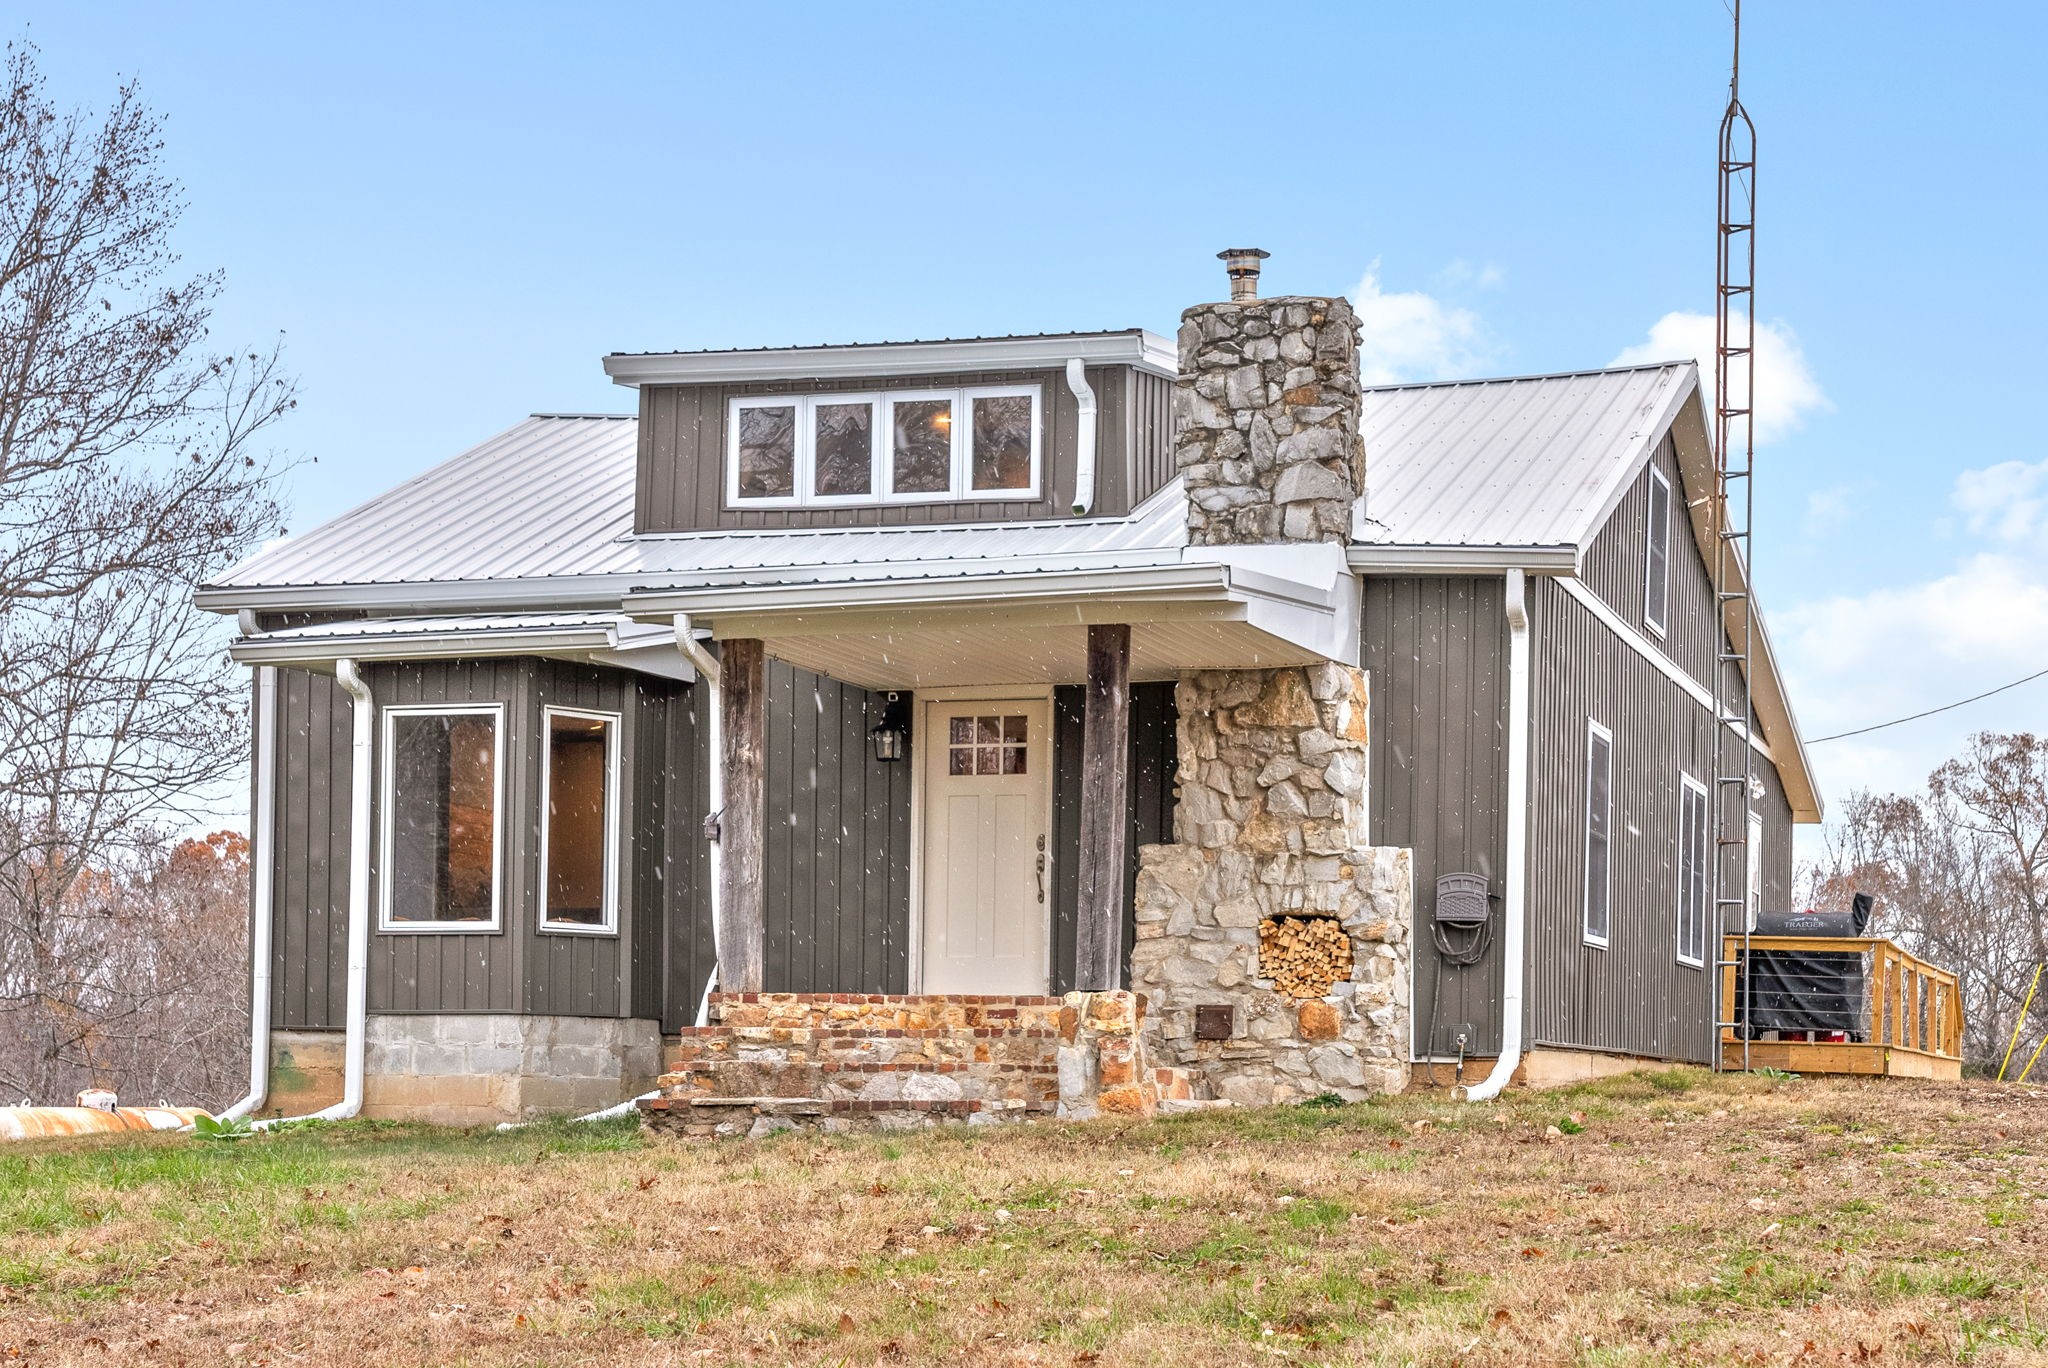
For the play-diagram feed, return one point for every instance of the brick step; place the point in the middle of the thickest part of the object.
(765, 1043)
(1033, 1083)
(900, 1011)
(720, 1117)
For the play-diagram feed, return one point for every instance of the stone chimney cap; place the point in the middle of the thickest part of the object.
(1242, 263)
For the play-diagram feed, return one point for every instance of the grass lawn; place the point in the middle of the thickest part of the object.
(1667, 1218)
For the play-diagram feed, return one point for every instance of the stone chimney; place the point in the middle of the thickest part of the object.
(1265, 415)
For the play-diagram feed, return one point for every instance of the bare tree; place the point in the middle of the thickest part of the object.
(130, 472)
(1960, 874)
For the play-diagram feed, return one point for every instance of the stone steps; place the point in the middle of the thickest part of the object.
(854, 1061)
(710, 1118)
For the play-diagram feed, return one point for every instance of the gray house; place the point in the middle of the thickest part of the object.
(1003, 726)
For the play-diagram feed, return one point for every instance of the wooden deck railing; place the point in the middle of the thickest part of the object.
(1910, 1013)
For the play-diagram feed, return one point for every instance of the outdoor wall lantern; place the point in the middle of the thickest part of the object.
(891, 736)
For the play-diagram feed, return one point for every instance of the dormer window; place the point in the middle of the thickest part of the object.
(906, 446)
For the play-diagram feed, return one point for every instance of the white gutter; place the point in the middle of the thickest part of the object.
(358, 1003)
(1084, 460)
(263, 826)
(706, 666)
(1514, 910)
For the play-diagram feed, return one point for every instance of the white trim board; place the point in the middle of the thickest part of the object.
(1641, 645)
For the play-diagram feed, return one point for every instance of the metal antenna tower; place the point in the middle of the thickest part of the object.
(1734, 504)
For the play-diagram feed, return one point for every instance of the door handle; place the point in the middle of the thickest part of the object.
(1041, 869)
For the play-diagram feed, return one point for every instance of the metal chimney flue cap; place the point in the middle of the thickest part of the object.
(1242, 263)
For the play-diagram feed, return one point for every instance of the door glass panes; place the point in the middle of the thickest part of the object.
(987, 745)
(922, 446)
(767, 452)
(443, 820)
(845, 436)
(1002, 442)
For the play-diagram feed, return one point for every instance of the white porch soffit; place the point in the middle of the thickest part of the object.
(1022, 620)
(593, 638)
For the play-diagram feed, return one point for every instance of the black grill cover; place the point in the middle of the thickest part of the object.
(1801, 990)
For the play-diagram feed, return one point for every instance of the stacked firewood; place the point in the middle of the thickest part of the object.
(1304, 956)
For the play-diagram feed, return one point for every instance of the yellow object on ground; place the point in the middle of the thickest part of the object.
(43, 1123)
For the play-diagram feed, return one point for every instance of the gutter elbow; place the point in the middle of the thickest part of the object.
(1084, 456)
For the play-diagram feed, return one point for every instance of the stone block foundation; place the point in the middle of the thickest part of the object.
(469, 1069)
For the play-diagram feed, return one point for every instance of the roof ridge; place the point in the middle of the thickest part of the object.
(1519, 379)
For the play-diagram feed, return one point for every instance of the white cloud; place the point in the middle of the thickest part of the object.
(2005, 501)
(1856, 660)
(1410, 335)
(1465, 275)
(1786, 389)
(1828, 509)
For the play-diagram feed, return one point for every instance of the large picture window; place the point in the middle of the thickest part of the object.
(924, 446)
(443, 791)
(579, 821)
(1599, 832)
(1695, 886)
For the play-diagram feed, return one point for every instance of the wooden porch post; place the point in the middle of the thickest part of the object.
(1105, 810)
(743, 718)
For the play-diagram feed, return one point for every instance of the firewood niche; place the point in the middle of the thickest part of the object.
(1304, 957)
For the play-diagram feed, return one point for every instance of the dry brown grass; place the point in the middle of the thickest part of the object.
(1692, 1219)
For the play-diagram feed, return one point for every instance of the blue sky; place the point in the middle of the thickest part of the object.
(452, 214)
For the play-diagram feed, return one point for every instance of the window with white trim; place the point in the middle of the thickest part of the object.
(1695, 893)
(1754, 880)
(579, 821)
(1657, 555)
(443, 829)
(905, 446)
(1599, 832)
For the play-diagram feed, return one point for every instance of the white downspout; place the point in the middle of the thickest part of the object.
(1514, 912)
(262, 832)
(358, 1003)
(1084, 456)
(706, 666)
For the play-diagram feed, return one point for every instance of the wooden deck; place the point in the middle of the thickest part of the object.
(1911, 1015)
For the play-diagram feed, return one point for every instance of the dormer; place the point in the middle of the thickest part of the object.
(895, 433)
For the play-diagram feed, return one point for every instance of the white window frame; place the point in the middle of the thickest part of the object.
(1605, 938)
(885, 444)
(1657, 596)
(882, 448)
(387, 796)
(1753, 876)
(963, 443)
(1690, 788)
(614, 722)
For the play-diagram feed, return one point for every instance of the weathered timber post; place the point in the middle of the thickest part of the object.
(744, 723)
(1105, 810)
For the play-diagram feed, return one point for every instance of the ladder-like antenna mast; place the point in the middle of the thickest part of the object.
(1734, 505)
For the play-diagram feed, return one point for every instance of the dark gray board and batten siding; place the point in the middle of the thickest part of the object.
(837, 858)
(1435, 652)
(681, 473)
(1634, 996)
(517, 968)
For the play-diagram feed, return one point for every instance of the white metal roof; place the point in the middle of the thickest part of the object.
(1129, 347)
(1533, 462)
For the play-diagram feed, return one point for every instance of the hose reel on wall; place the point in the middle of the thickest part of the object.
(1461, 924)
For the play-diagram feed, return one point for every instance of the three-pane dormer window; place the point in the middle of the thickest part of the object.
(906, 446)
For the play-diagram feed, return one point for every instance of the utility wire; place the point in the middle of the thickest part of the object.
(1946, 707)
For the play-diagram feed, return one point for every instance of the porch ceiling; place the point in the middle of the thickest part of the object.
(928, 655)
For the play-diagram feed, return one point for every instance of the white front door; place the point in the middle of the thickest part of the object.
(987, 872)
